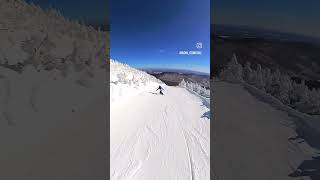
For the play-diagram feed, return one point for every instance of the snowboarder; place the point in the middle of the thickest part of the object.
(160, 88)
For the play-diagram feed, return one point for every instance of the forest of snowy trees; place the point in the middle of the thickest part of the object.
(41, 51)
(296, 95)
(195, 88)
(46, 39)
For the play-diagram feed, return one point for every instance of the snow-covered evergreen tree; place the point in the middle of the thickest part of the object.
(268, 80)
(275, 84)
(314, 101)
(182, 83)
(247, 72)
(301, 96)
(260, 81)
(285, 88)
(39, 50)
(233, 71)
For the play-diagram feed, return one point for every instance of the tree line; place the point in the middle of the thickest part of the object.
(276, 83)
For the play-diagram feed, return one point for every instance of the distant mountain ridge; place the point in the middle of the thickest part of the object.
(173, 77)
(232, 31)
(181, 71)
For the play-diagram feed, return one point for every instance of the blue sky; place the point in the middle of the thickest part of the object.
(295, 16)
(89, 10)
(150, 34)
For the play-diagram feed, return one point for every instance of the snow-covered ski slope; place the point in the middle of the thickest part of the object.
(253, 140)
(156, 136)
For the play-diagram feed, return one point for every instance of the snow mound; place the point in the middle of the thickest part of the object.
(127, 81)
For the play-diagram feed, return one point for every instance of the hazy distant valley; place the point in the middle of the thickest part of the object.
(299, 56)
(174, 77)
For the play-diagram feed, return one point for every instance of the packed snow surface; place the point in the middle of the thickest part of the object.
(156, 136)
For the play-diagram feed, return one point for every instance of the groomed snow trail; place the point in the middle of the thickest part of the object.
(160, 137)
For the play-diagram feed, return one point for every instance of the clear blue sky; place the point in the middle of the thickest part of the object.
(295, 16)
(150, 33)
(89, 10)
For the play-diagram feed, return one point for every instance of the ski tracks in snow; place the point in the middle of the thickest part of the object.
(134, 149)
(198, 156)
(194, 138)
(165, 137)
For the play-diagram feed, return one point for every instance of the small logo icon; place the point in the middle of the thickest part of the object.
(199, 45)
